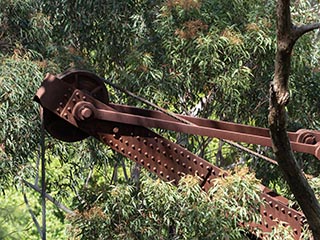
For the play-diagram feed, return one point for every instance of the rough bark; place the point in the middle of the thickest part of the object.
(287, 35)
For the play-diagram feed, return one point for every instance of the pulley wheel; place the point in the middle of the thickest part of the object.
(77, 79)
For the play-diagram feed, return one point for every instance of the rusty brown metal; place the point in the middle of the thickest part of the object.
(61, 87)
(125, 130)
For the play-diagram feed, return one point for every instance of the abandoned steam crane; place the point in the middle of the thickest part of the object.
(76, 105)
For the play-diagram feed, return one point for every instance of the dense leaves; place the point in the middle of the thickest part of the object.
(161, 211)
(204, 58)
(19, 116)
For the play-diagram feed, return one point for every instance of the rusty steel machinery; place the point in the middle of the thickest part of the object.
(76, 105)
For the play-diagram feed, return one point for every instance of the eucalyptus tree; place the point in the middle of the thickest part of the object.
(206, 58)
(288, 34)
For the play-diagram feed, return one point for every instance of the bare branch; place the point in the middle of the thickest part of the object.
(50, 198)
(34, 218)
(88, 177)
(303, 29)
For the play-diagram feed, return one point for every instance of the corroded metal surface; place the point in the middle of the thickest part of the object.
(85, 109)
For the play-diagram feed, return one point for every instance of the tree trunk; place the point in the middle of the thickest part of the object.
(287, 35)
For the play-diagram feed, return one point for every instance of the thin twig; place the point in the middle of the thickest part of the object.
(50, 198)
(124, 169)
(34, 218)
(88, 178)
(36, 179)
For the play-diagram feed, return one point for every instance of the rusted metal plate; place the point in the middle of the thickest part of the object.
(55, 91)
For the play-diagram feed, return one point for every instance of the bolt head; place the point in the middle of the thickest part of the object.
(86, 112)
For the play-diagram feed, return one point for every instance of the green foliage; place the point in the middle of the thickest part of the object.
(15, 220)
(19, 121)
(161, 211)
(176, 53)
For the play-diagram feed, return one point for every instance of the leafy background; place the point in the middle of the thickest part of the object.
(206, 58)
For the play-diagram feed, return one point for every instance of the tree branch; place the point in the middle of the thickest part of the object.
(50, 198)
(287, 35)
(34, 219)
(303, 29)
